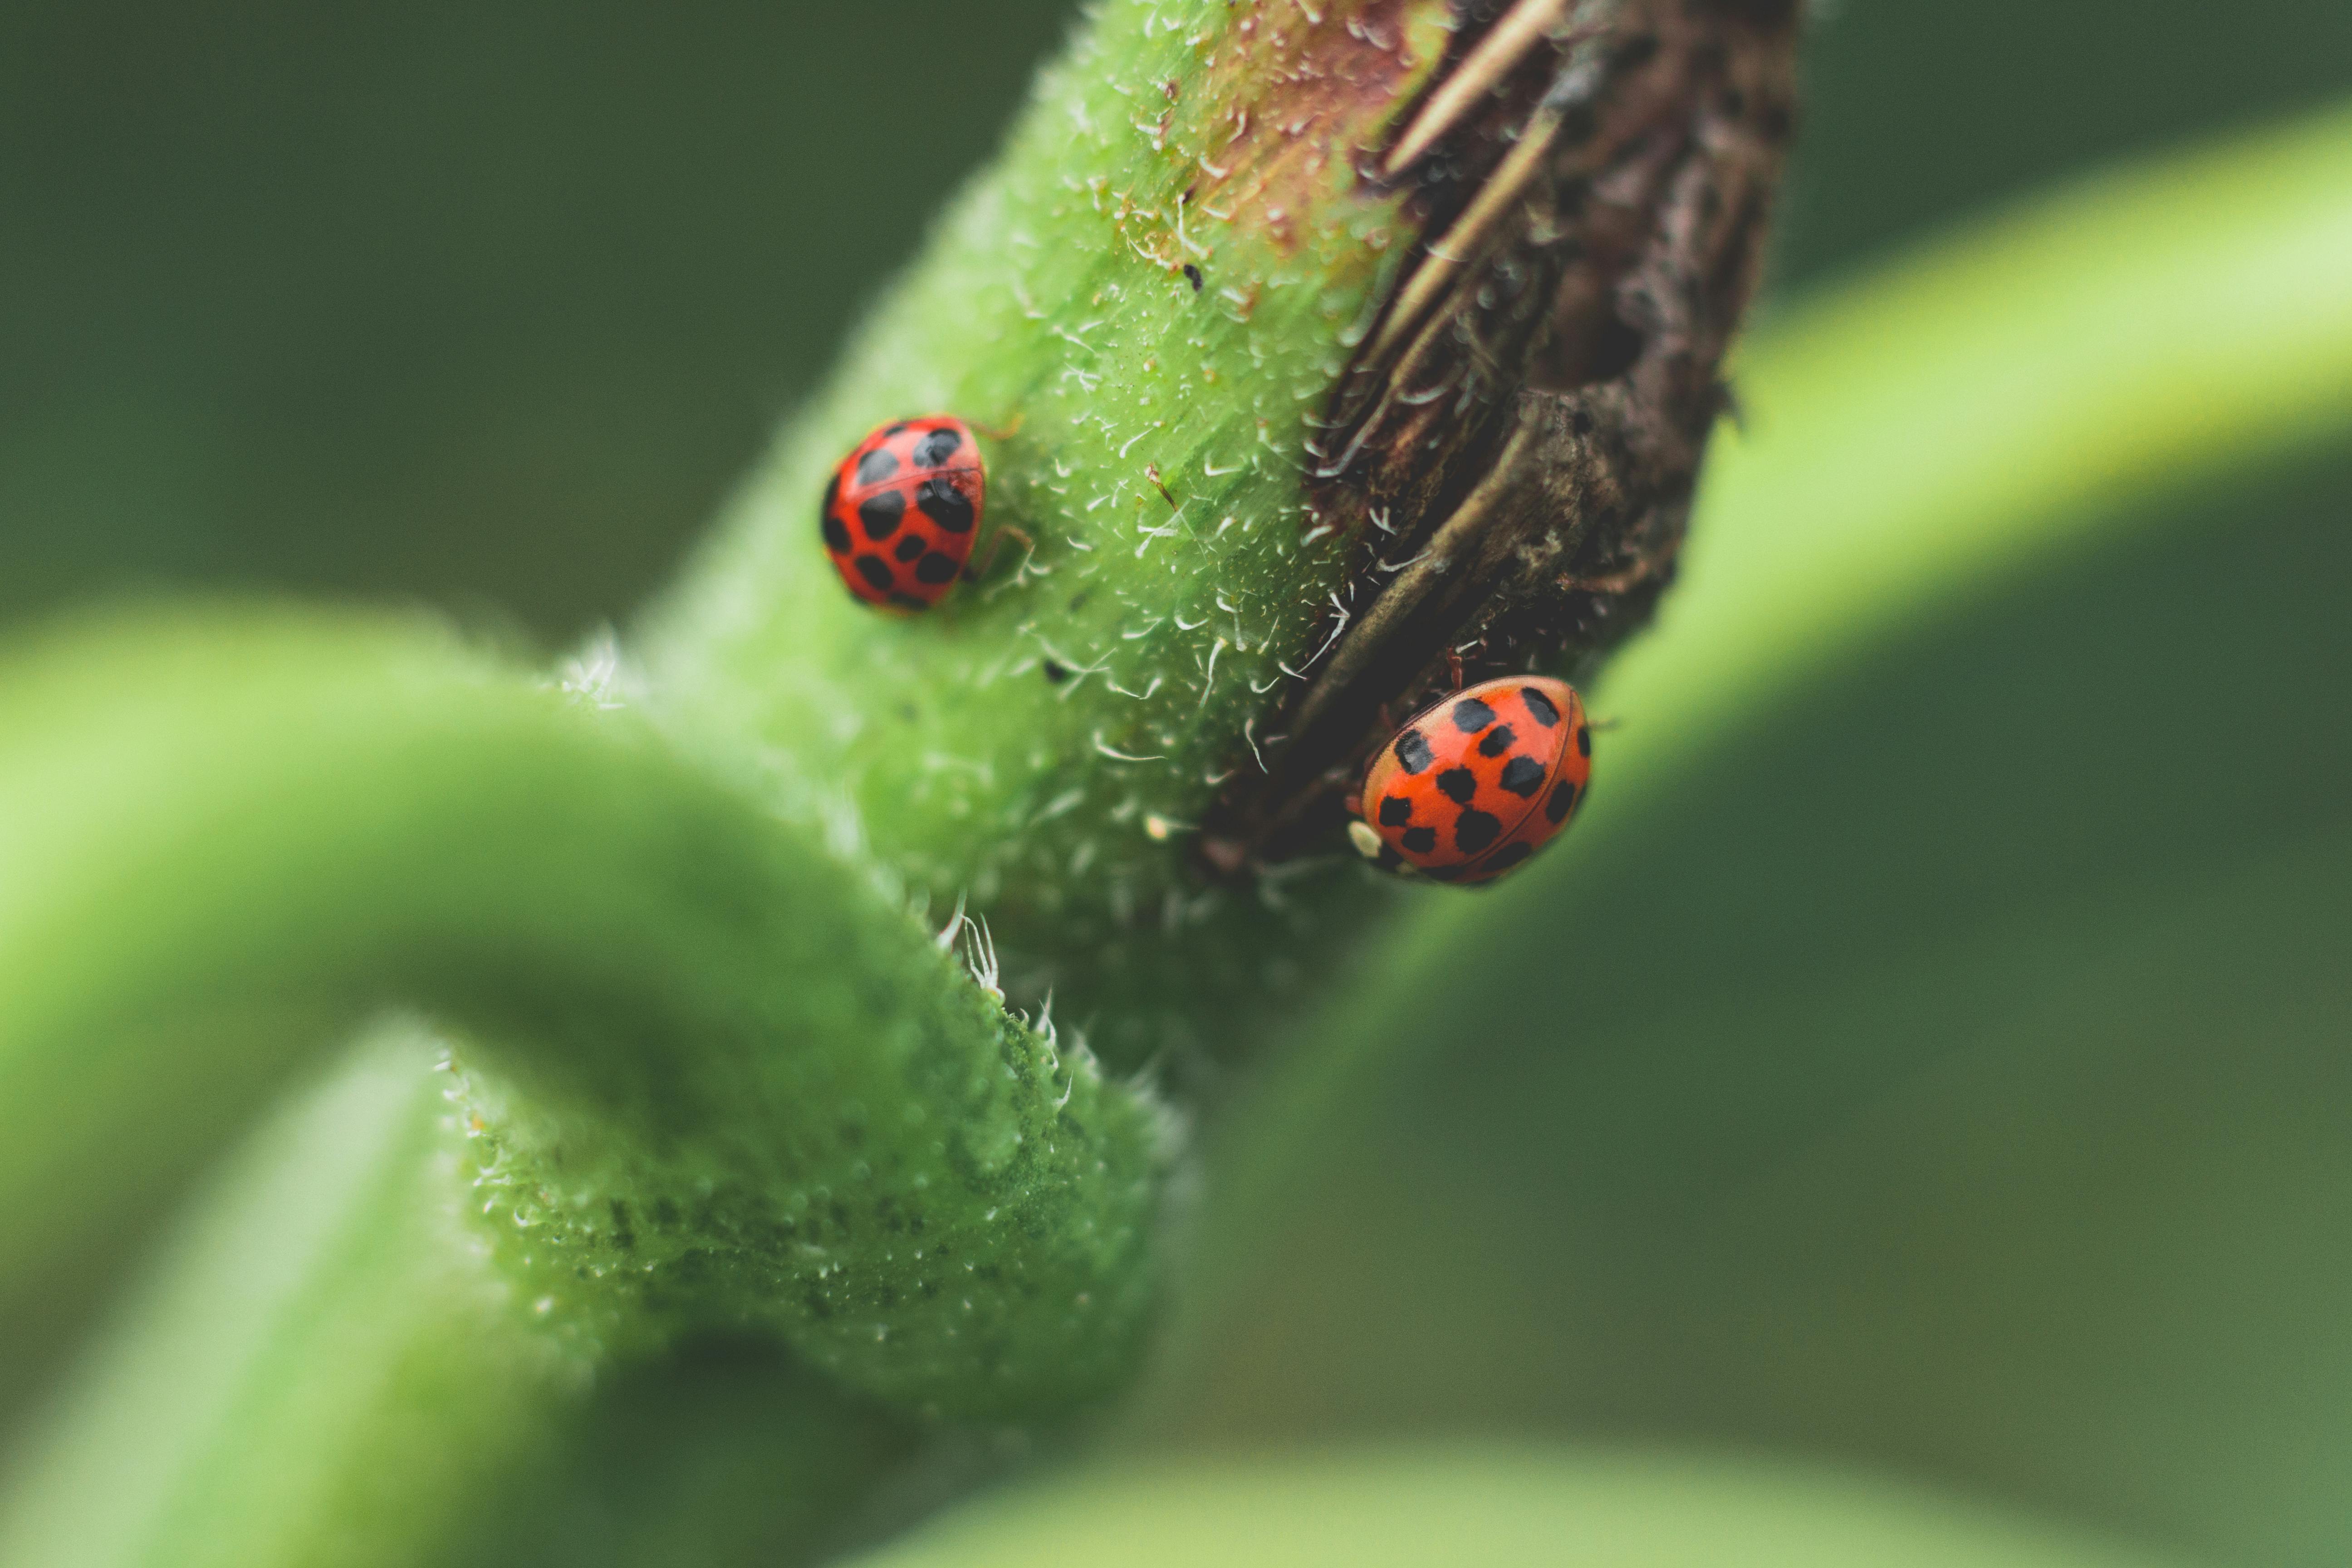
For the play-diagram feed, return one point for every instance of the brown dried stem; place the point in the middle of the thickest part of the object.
(1516, 444)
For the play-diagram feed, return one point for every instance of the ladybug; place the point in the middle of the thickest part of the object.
(1476, 784)
(901, 512)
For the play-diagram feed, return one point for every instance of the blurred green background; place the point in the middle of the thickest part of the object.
(490, 305)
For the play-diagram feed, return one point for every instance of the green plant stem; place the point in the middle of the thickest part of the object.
(712, 1074)
(758, 1093)
(1045, 741)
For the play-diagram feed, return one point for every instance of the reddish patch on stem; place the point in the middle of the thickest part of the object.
(1300, 88)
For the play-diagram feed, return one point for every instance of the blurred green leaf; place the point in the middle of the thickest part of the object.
(1931, 1045)
(315, 1368)
(1472, 1506)
(328, 1363)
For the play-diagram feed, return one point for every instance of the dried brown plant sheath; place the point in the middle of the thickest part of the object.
(1515, 442)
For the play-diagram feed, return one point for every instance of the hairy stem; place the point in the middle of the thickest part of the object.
(1155, 300)
(1146, 298)
(757, 1092)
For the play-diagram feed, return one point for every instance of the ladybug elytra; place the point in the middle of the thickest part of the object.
(902, 509)
(1472, 786)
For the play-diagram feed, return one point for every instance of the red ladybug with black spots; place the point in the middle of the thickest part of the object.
(1474, 785)
(901, 513)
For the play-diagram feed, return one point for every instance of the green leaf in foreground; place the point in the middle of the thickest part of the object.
(1489, 1506)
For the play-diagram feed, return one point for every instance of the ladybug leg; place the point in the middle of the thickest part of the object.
(1454, 667)
(1641, 571)
(1004, 530)
(1227, 856)
(1007, 433)
(1613, 583)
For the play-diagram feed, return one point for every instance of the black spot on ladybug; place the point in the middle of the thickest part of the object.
(1474, 830)
(1498, 740)
(1459, 786)
(1056, 672)
(1470, 715)
(890, 430)
(936, 449)
(1539, 707)
(870, 567)
(1192, 276)
(875, 466)
(945, 505)
(879, 514)
(909, 602)
(1523, 776)
(836, 538)
(1412, 751)
(1563, 801)
(1395, 811)
(1583, 742)
(1420, 840)
(935, 568)
(1509, 856)
(909, 547)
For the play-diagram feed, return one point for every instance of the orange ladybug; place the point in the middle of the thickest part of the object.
(1475, 785)
(901, 513)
